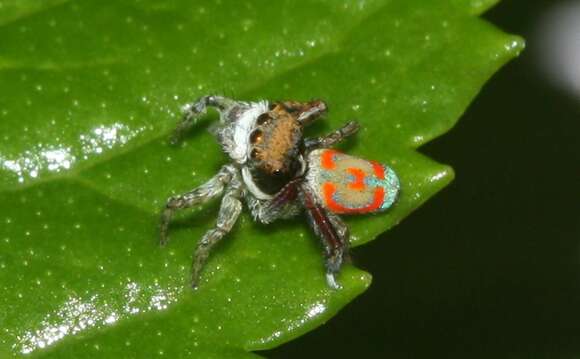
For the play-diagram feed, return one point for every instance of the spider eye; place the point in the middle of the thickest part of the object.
(256, 136)
(277, 172)
(263, 118)
(254, 153)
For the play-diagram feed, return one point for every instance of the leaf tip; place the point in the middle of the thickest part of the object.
(442, 177)
(515, 45)
(365, 279)
(356, 280)
(449, 174)
(478, 7)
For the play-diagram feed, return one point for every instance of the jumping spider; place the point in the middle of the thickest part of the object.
(280, 173)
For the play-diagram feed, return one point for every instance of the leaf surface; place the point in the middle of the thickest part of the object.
(90, 91)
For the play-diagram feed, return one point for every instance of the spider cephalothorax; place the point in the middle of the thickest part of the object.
(280, 173)
(275, 143)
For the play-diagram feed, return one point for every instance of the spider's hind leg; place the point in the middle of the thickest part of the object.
(331, 230)
(192, 111)
(336, 253)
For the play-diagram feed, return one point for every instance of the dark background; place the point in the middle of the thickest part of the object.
(490, 267)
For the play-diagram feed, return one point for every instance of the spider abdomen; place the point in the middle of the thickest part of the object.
(349, 185)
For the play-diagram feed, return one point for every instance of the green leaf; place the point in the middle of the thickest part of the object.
(90, 91)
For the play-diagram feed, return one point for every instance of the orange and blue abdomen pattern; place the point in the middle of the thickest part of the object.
(351, 185)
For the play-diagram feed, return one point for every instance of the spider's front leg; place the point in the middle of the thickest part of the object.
(201, 194)
(306, 112)
(348, 129)
(192, 111)
(230, 210)
(331, 230)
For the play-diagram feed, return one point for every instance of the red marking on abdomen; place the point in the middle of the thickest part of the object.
(379, 169)
(329, 189)
(327, 159)
(359, 177)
